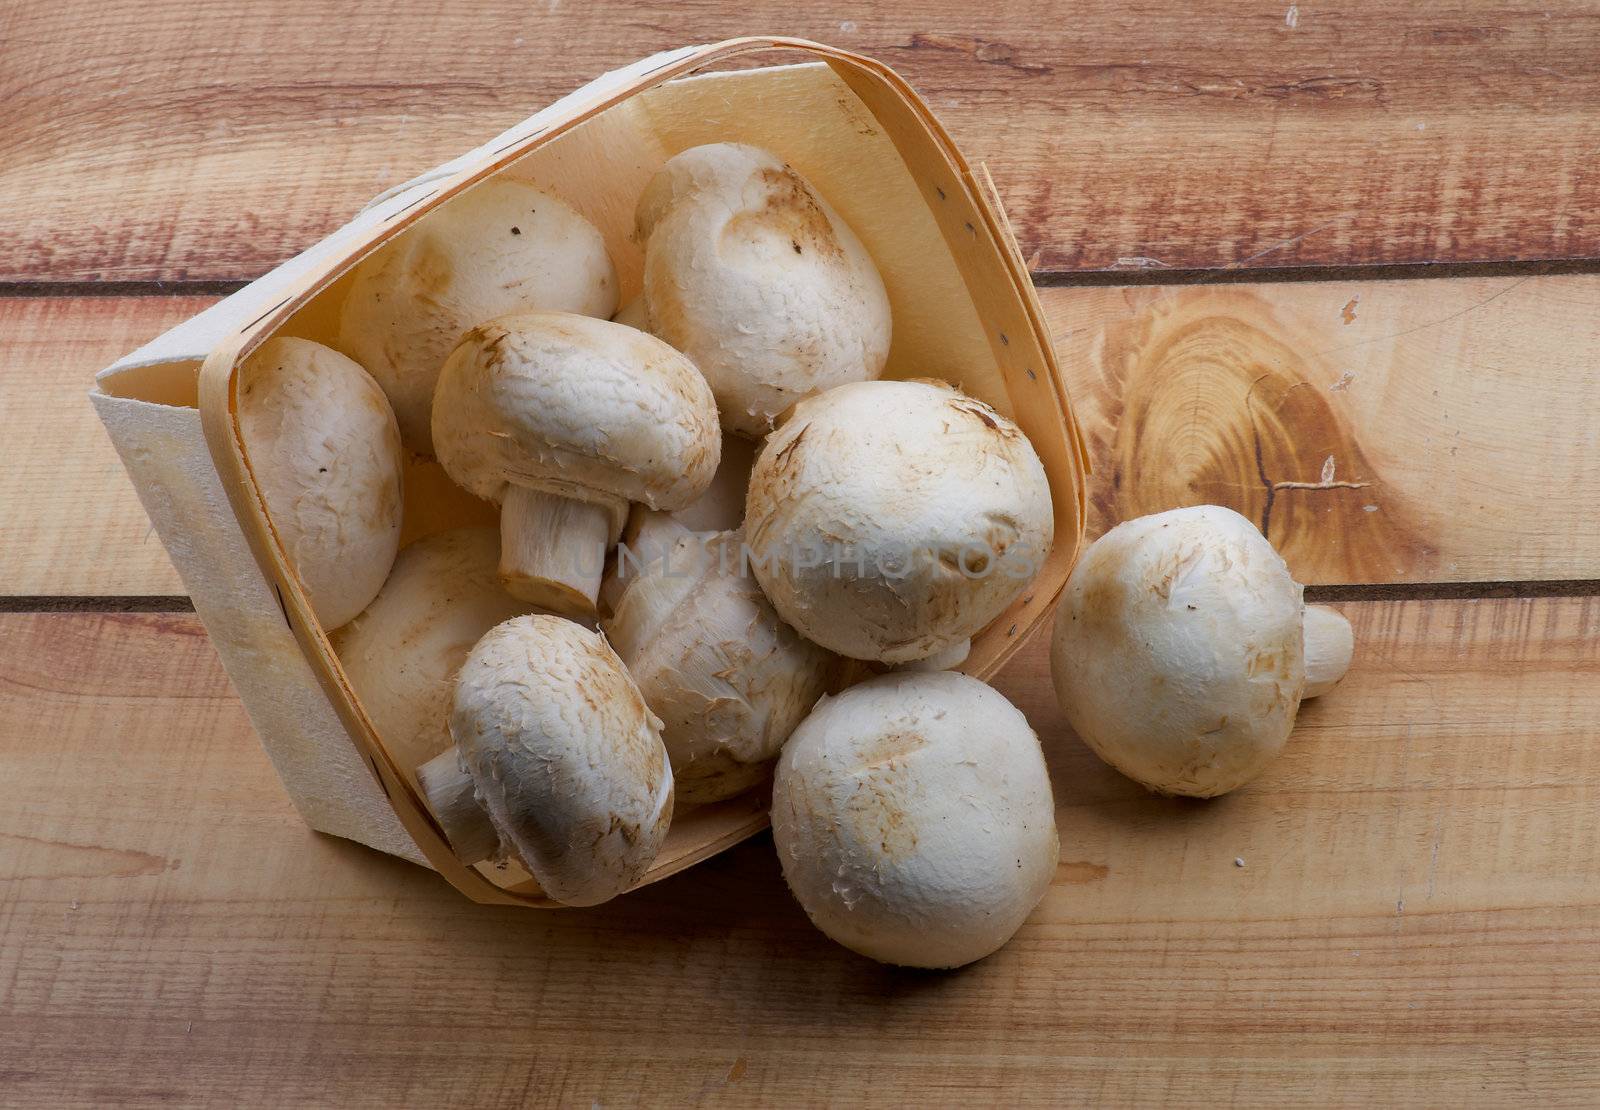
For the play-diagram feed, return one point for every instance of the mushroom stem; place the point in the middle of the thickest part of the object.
(948, 659)
(552, 550)
(450, 794)
(664, 562)
(721, 507)
(1330, 643)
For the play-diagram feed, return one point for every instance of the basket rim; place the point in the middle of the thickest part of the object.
(219, 412)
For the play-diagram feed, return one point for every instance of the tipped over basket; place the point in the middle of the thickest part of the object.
(964, 309)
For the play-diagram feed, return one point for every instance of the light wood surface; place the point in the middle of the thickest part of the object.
(1414, 919)
(73, 524)
(1403, 910)
(1386, 431)
(1446, 406)
(208, 139)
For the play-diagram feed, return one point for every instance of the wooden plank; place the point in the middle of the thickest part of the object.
(1414, 921)
(1396, 431)
(72, 523)
(1464, 410)
(209, 139)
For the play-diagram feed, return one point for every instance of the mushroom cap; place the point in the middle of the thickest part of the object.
(914, 820)
(729, 680)
(938, 505)
(565, 757)
(402, 653)
(1178, 653)
(325, 451)
(579, 407)
(750, 273)
(500, 247)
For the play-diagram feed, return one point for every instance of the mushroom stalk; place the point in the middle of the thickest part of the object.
(1330, 642)
(451, 795)
(565, 420)
(552, 550)
(721, 507)
(727, 678)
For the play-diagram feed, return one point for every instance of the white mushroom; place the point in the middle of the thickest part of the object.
(402, 653)
(557, 760)
(913, 818)
(721, 507)
(891, 520)
(728, 679)
(750, 273)
(564, 420)
(324, 449)
(1181, 647)
(503, 246)
(947, 660)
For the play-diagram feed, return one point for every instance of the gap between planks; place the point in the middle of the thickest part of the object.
(1043, 279)
(1376, 591)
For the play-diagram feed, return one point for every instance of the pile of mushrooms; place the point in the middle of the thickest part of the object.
(716, 519)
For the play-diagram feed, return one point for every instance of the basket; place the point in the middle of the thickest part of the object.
(964, 310)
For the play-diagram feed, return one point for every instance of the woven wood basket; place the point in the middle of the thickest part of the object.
(964, 310)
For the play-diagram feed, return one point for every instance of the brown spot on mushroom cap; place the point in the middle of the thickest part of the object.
(749, 272)
(788, 217)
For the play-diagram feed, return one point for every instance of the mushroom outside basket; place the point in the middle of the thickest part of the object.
(964, 309)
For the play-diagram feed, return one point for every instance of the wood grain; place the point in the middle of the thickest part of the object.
(209, 139)
(1410, 431)
(1463, 410)
(72, 523)
(1415, 919)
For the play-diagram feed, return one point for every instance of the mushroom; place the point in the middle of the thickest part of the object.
(947, 660)
(914, 820)
(749, 272)
(890, 520)
(402, 653)
(325, 452)
(1183, 649)
(557, 761)
(564, 420)
(503, 246)
(728, 679)
(721, 507)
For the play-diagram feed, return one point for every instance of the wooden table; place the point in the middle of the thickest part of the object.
(1332, 265)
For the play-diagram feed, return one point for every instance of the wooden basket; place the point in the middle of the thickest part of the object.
(964, 310)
